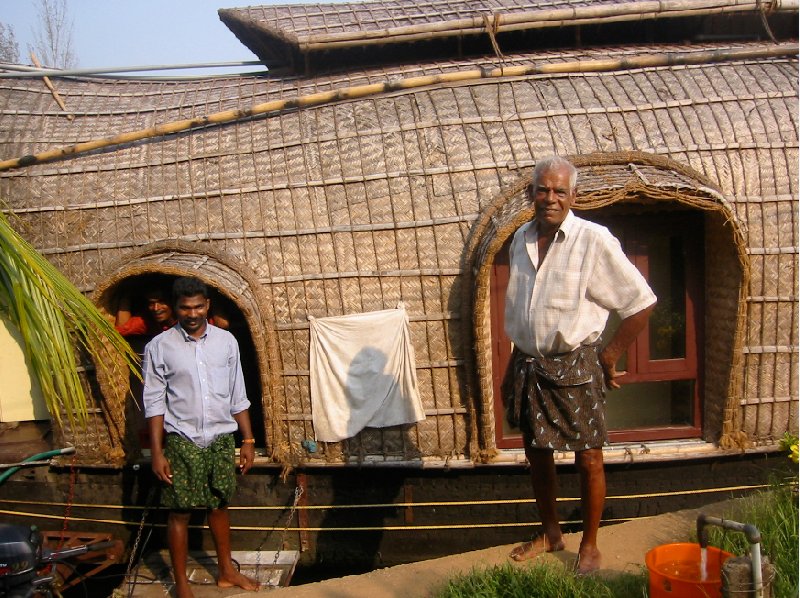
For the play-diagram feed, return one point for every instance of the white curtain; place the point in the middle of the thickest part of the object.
(362, 374)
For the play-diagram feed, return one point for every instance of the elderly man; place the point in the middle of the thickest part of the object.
(194, 391)
(566, 276)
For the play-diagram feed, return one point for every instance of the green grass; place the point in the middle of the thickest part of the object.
(542, 580)
(774, 513)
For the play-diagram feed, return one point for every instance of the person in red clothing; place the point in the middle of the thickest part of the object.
(159, 318)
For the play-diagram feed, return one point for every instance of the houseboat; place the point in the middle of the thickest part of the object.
(377, 165)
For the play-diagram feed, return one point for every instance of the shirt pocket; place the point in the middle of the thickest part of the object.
(220, 380)
(219, 374)
(561, 291)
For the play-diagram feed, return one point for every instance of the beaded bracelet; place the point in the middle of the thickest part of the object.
(249, 441)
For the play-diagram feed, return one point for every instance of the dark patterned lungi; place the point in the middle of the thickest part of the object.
(558, 402)
(201, 477)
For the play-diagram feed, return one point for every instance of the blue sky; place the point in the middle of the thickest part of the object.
(139, 32)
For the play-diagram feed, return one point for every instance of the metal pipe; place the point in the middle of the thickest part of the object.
(23, 464)
(751, 533)
(38, 457)
(22, 72)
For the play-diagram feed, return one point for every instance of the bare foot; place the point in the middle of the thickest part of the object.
(236, 579)
(588, 561)
(182, 590)
(535, 547)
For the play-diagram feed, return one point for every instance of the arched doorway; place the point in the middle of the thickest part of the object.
(236, 301)
(663, 204)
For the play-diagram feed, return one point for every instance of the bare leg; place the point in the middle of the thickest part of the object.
(229, 576)
(178, 541)
(593, 495)
(545, 489)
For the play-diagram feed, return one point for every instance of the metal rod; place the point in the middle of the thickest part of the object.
(753, 536)
(23, 464)
(23, 72)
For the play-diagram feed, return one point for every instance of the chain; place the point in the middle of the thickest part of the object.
(298, 492)
(70, 499)
(131, 559)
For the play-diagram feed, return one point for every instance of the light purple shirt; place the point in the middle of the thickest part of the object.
(565, 303)
(196, 384)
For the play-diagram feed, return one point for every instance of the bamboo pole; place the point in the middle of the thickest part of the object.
(555, 17)
(361, 91)
(49, 84)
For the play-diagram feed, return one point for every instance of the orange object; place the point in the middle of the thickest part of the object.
(675, 571)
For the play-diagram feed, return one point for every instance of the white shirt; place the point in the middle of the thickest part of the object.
(565, 303)
(196, 384)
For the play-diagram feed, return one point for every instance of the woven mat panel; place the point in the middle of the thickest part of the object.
(111, 378)
(767, 420)
(354, 206)
(100, 442)
(444, 391)
(428, 439)
(767, 328)
(721, 307)
(305, 20)
(437, 342)
(393, 444)
(278, 33)
(770, 216)
(294, 381)
(93, 444)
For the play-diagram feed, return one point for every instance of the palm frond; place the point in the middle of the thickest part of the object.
(55, 320)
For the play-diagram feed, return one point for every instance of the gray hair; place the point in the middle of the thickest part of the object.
(554, 161)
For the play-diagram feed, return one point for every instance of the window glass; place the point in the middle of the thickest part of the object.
(650, 404)
(667, 278)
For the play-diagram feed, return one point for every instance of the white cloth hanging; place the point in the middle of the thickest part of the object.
(362, 374)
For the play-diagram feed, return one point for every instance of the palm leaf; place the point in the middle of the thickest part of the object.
(55, 320)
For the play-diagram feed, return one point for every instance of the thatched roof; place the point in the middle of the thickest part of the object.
(405, 193)
(287, 35)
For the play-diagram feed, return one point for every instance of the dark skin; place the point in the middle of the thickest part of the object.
(553, 196)
(157, 306)
(192, 313)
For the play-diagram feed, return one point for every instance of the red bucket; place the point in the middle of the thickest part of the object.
(675, 571)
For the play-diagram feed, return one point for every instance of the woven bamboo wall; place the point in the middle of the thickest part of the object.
(356, 205)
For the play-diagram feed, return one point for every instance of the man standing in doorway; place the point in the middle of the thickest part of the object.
(194, 391)
(566, 276)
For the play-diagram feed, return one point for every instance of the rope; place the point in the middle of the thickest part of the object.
(491, 25)
(762, 11)
(248, 528)
(506, 501)
(390, 505)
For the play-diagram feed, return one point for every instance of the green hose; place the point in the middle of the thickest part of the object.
(46, 455)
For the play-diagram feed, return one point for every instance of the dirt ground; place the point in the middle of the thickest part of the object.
(623, 546)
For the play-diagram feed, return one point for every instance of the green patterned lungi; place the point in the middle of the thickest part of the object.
(201, 477)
